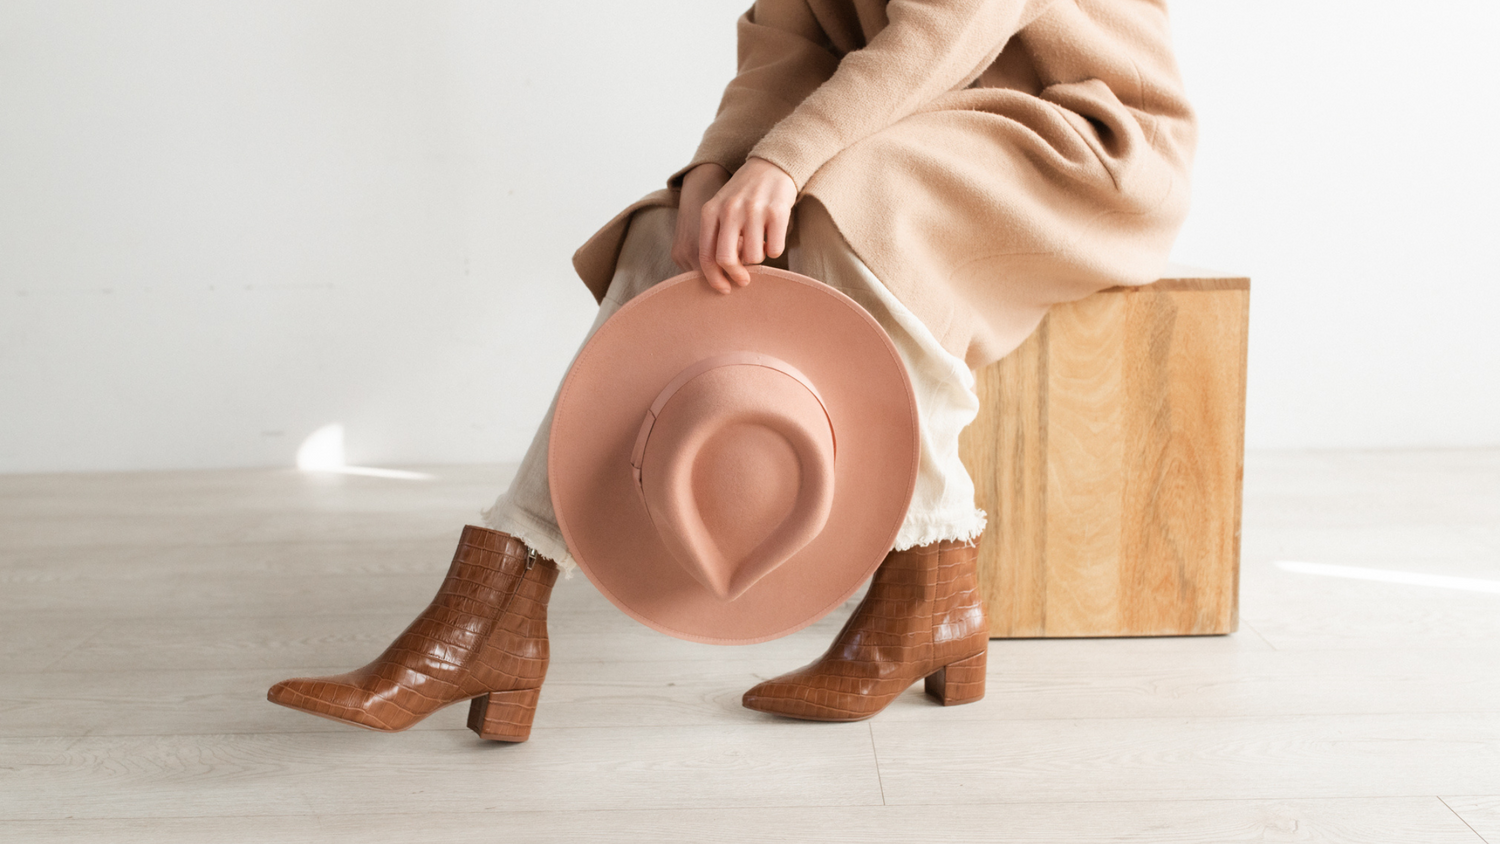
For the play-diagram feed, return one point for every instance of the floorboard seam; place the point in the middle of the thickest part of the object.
(102, 627)
(1461, 820)
(1259, 635)
(875, 753)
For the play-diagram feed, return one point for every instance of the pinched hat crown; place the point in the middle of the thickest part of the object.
(735, 464)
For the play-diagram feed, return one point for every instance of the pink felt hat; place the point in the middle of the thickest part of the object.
(730, 468)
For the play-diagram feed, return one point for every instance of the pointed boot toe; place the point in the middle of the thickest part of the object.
(329, 697)
(297, 692)
(765, 697)
(287, 692)
(791, 696)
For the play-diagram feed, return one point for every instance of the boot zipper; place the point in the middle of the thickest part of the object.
(516, 587)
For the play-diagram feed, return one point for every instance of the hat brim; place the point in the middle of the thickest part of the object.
(619, 372)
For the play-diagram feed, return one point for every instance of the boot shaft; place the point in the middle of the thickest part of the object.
(487, 624)
(496, 576)
(923, 601)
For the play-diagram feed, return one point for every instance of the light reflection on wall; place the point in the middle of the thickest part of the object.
(323, 451)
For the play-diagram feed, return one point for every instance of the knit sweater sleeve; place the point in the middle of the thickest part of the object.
(928, 48)
(783, 57)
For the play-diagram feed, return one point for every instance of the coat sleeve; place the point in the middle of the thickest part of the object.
(929, 47)
(783, 56)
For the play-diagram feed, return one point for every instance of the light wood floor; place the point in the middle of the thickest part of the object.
(143, 616)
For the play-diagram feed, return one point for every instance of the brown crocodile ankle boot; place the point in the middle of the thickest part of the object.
(921, 618)
(482, 639)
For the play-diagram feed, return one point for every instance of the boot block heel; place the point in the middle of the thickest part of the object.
(504, 716)
(958, 682)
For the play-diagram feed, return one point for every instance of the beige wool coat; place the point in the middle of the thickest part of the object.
(985, 158)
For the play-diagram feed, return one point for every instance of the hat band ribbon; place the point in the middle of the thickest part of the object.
(742, 358)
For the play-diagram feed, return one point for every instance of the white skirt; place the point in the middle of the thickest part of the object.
(942, 505)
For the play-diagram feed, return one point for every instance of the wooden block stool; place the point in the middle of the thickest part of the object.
(1109, 454)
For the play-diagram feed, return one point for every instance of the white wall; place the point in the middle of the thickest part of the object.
(225, 225)
(1348, 164)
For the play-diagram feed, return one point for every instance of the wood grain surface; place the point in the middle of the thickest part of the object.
(1482, 814)
(1108, 454)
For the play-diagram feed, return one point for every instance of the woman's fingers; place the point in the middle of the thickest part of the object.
(745, 223)
(777, 223)
(753, 236)
(707, 244)
(727, 250)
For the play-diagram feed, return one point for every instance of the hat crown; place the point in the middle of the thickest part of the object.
(735, 464)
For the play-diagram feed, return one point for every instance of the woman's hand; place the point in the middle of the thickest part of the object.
(744, 221)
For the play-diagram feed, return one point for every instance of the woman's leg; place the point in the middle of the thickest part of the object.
(942, 504)
(484, 636)
(525, 509)
(922, 616)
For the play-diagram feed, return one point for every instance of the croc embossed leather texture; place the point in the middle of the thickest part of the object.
(921, 618)
(482, 639)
